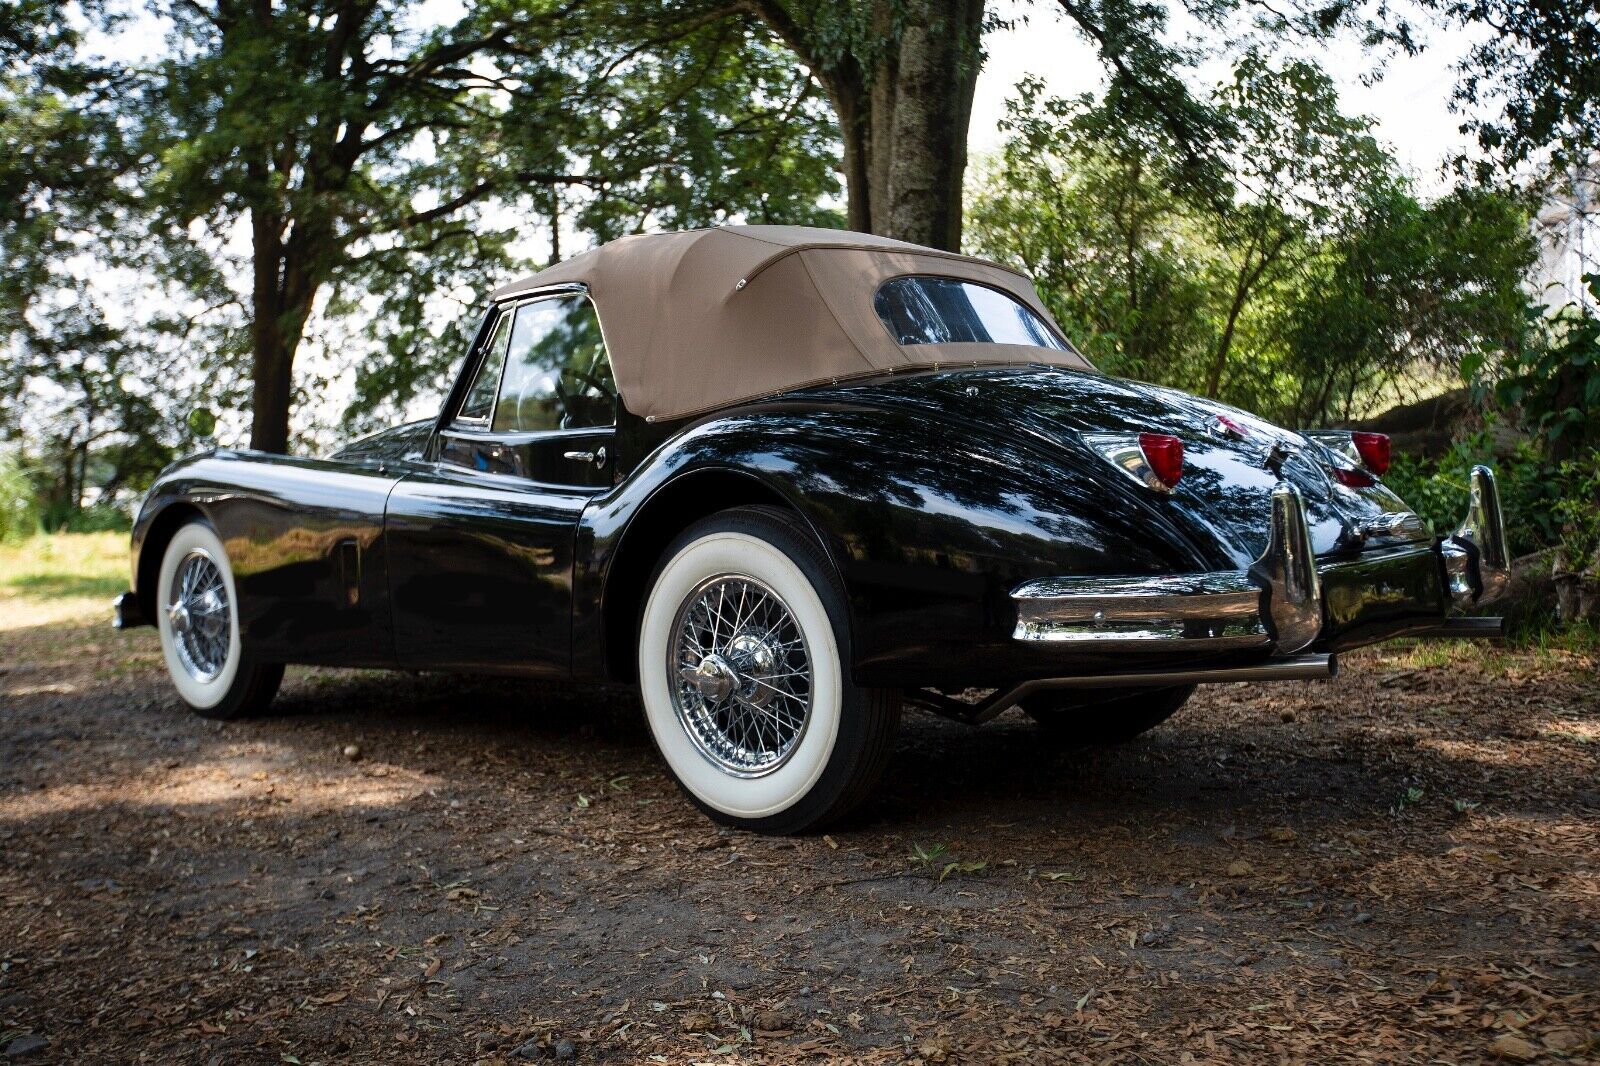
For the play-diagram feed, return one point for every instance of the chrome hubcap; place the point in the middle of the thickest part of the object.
(743, 692)
(198, 611)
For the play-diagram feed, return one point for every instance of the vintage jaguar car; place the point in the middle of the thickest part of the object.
(786, 480)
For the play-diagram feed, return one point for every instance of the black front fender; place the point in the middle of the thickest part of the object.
(305, 541)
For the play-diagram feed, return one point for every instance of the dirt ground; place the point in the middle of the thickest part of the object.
(1399, 866)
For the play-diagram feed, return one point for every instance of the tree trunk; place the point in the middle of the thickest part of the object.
(921, 108)
(283, 292)
(903, 114)
(271, 360)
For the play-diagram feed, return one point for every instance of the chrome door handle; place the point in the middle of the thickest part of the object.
(597, 457)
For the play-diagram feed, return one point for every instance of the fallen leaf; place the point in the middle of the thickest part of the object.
(1511, 1046)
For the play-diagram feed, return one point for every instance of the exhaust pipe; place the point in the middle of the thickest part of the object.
(1474, 628)
(1299, 668)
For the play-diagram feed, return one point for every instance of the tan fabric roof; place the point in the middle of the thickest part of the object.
(703, 318)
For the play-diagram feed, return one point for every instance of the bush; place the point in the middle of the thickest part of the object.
(19, 515)
(1437, 490)
(98, 518)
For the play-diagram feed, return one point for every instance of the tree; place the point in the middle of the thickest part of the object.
(900, 75)
(1302, 287)
(1406, 285)
(371, 165)
(73, 385)
(1539, 66)
(1090, 206)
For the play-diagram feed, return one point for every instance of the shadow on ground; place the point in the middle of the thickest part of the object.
(1401, 865)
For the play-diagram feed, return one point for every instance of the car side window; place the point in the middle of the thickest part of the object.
(479, 404)
(557, 374)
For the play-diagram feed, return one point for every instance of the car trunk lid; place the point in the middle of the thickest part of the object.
(1229, 463)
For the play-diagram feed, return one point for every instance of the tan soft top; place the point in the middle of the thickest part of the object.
(704, 318)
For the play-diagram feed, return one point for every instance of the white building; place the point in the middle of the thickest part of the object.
(1568, 228)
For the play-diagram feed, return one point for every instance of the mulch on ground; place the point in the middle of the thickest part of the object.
(1399, 866)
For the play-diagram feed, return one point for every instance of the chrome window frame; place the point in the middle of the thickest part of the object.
(483, 426)
(461, 421)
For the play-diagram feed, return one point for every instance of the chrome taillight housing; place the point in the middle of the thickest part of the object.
(1154, 460)
(1356, 460)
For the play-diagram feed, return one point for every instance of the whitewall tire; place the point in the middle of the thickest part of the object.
(197, 615)
(743, 654)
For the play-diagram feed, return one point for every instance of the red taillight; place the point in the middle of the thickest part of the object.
(1373, 449)
(1164, 453)
(1353, 479)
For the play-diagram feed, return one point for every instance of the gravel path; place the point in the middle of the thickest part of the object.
(1399, 866)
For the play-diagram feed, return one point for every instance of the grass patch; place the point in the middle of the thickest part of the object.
(61, 577)
(54, 586)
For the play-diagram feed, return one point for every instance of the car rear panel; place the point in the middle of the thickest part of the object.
(1224, 496)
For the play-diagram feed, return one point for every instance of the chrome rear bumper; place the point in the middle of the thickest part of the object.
(1274, 605)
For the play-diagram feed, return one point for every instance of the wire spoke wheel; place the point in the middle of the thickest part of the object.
(197, 607)
(742, 675)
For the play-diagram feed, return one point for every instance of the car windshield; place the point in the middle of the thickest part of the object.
(931, 310)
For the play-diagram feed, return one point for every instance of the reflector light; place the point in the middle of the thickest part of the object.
(1232, 428)
(1374, 451)
(1164, 453)
(1354, 479)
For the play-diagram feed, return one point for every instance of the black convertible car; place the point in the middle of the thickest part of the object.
(786, 480)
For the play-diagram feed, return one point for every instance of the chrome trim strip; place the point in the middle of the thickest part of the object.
(1478, 627)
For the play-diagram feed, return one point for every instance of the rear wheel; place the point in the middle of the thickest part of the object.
(1111, 716)
(743, 653)
(197, 615)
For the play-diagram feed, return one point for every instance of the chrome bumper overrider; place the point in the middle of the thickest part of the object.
(1477, 564)
(1275, 604)
(126, 613)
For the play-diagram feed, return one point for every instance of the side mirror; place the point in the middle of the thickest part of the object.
(203, 423)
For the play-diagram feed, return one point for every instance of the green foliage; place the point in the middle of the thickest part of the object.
(1553, 381)
(1403, 287)
(1577, 507)
(1531, 82)
(19, 515)
(1303, 286)
(1550, 386)
(97, 518)
(1438, 490)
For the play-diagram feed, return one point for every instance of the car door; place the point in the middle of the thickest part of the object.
(481, 529)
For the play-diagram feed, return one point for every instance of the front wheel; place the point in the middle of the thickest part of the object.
(197, 615)
(743, 653)
(1112, 716)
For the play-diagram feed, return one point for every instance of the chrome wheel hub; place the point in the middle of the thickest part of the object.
(197, 609)
(743, 675)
